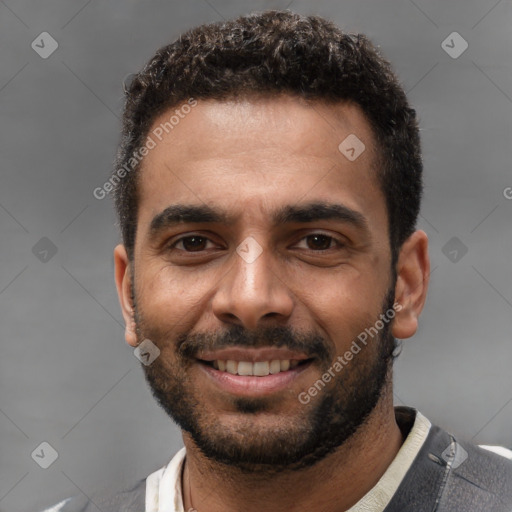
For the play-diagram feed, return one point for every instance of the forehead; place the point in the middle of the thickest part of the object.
(257, 123)
(241, 155)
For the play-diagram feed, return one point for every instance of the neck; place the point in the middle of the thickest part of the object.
(334, 484)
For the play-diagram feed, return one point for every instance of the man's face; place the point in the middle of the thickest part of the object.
(271, 279)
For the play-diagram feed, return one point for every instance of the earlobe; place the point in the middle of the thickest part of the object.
(130, 335)
(124, 290)
(413, 270)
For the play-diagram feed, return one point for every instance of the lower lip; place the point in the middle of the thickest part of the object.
(253, 386)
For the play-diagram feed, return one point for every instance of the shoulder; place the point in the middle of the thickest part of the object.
(475, 478)
(450, 474)
(73, 504)
(491, 469)
(125, 500)
(500, 450)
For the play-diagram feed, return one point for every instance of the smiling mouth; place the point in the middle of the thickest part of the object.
(257, 368)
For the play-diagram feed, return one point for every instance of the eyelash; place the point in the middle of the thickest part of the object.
(333, 239)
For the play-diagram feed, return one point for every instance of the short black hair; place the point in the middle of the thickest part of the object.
(269, 54)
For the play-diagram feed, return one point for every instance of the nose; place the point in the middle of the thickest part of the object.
(252, 292)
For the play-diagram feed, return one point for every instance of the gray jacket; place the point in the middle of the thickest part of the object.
(448, 475)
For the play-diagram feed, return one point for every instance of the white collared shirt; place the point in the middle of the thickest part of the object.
(164, 493)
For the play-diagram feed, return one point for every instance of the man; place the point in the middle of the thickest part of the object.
(268, 184)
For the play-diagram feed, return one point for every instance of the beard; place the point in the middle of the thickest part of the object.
(247, 440)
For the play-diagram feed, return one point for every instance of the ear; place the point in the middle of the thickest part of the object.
(124, 292)
(413, 271)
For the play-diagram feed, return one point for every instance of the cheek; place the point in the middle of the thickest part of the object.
(345, 306)
(340, 292)
(168, 296)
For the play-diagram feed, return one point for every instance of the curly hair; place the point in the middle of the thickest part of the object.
(268, 54)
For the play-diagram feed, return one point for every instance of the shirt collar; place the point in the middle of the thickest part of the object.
(164, 492)
(378, 498)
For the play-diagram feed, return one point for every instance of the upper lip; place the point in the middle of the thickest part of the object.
(251, 354)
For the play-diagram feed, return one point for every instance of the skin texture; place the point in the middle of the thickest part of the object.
(250, 158)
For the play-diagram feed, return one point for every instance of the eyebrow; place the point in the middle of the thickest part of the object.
(310, 212)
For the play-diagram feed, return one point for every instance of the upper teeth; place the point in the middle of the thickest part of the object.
(259, 368)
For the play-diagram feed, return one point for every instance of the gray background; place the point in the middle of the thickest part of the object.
(67, 377)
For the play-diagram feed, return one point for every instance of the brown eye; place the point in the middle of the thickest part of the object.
(192, 243)
(319, 242)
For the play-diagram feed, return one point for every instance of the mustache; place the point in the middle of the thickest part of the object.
(311, 344)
